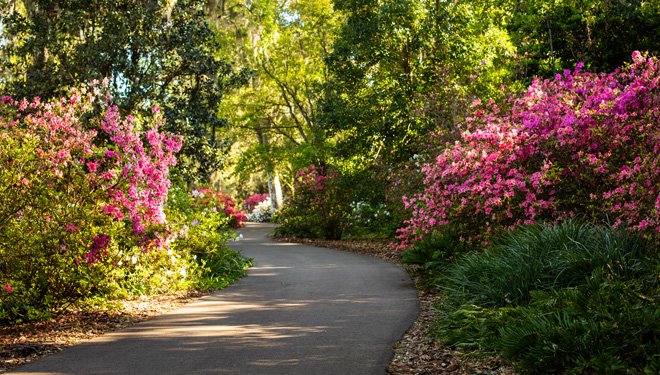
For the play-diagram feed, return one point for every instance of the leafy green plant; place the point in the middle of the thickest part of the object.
(434, 252)
(572, 298)
(605, 326)
(319, 208)
(538, 257)
(202, 231)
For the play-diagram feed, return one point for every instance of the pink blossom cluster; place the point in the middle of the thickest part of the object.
(142, 166)
(219, 201)
(98, 249)
(312, 178)
(315, 190)
(253, 200)
(579, 144)
(112, 166)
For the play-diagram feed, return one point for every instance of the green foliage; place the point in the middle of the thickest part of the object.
(155, 53)
(573, 298)
(369, 215)
(220, 268)
(202, 233)
(319, 208)
(387, 57)
(23, 303)
(556, 35)
(607, 325)
(284, 44)
(537, 257)
(196, 257)
(369, 220)
(435, 252)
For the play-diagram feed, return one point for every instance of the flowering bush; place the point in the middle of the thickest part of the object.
(82, 190)
(262, 212)
(200, 235)
(253, 200)
(218, 201)
(319, 206)
(580, 144)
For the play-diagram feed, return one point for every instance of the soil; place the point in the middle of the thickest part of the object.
(417, 353)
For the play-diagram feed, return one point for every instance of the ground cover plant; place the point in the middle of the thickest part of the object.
(569, 298)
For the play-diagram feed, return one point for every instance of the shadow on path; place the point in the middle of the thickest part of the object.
(301, 310)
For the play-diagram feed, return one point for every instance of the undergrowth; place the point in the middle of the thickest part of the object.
(569, 298)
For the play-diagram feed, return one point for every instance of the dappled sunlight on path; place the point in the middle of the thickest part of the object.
(301, 310)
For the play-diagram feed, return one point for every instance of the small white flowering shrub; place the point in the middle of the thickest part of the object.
(262, 212)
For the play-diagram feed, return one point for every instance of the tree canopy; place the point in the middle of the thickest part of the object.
(154, 53)
(267, 87)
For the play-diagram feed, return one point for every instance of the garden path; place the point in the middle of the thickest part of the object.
(301, 310)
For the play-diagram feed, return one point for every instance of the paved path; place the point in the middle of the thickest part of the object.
(301, 310)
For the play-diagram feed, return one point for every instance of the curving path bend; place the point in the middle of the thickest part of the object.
(301, 310)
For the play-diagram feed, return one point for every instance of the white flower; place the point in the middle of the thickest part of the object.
(262, 212)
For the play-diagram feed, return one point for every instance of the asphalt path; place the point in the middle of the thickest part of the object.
(301, 310)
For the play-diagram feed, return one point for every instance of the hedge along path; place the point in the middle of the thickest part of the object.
(301, 310)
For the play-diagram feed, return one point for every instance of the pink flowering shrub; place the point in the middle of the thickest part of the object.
(253, 200)
(319, 206)
(83, 190)
(579, 144)
(219, 201)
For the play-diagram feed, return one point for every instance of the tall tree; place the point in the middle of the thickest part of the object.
(284, 43)
(153, 52)
(390, 53)
(557, 34)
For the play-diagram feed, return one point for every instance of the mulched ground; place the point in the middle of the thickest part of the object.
(416, 354)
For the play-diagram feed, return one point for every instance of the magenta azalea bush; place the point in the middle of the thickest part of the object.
(83, 191)
(579, 144)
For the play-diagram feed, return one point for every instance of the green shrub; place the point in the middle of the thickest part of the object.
(200, 246)
(319, 207)
(437, 246)
(604, 326)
